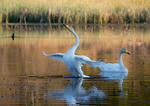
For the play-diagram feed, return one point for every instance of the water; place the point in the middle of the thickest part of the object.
(28, 77)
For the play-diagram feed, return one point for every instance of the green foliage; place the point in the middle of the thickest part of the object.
(75, 11)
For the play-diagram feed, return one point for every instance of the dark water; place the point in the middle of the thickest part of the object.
(28, 77)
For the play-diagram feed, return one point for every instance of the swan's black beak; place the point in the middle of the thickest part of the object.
(67, 26)
(127, 52)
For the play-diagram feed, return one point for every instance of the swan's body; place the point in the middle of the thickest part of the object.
(114, 67)
(111, 76)
(73, 62)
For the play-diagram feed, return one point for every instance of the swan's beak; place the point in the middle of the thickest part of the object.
(127, 52)
(67, 26)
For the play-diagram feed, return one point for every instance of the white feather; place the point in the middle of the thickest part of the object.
(58, 56)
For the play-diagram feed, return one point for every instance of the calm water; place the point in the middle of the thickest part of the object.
(28, 77)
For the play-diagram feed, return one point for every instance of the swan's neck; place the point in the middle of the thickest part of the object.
(75, 46)
(120, 60)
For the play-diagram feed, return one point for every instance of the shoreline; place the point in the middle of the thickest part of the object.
(61, 24)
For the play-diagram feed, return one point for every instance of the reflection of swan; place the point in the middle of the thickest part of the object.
(72, 61)
(110, 76)
(74, 93)
(114, 67)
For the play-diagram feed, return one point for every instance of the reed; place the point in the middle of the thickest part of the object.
(75, 11)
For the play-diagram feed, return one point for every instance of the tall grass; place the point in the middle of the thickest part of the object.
(75, 11)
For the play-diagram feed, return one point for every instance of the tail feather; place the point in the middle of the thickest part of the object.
(44, 53)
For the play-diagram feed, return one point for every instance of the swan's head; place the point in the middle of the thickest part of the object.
(69, 28)
(123, 50)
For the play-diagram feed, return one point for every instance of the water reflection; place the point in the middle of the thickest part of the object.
(74, 93)
(23, 57)
(113, 76)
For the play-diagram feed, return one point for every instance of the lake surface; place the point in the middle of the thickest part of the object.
(30, 78)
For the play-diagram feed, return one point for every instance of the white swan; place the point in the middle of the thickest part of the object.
(114, 67)
(73, 62)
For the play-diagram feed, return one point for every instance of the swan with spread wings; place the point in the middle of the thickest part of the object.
(73, 62)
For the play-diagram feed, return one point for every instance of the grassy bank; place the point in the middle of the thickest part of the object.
(75, 11)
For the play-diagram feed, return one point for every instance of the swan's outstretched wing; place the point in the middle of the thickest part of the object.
(58, 56)
(81, 59)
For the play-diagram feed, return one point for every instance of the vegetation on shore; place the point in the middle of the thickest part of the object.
(75, 11)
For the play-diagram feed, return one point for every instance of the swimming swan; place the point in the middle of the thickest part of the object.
(73, 62)
(114, 67)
